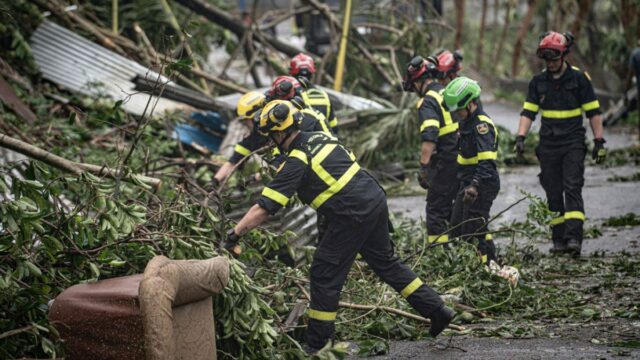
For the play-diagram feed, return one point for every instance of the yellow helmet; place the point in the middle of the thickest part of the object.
(250, 103)
(278, 115)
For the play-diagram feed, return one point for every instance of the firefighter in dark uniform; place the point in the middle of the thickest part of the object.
(302, 67)
(249, 106)
(562, 93)
(439, 136)
(326, 176)
(449, 65)
(477, 172)
(287, 88)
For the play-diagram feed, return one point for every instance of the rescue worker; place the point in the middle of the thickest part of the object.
(248, 107)
(449, 65)
(326, 176)
(287, 88)
(562, 92)
(479, 182)
(439, 136)
(302, 67)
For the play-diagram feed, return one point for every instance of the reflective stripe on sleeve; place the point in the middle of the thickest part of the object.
(322, 315)
(411, 288)
(429, 123)
(531, 106)
(590, 105)
(574, 215)
(561, 114)
(448, 129)
(241, 150)
(487, 155)
(275, 196)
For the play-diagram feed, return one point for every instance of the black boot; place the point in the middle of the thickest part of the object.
(559, 247)
(574, 247)
(440, 319)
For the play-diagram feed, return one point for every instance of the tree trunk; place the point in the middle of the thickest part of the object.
(522, 33)
(459, 22)
(584, 6)
(481, 38)
(629, 19)
(496, 7)
(503, 35)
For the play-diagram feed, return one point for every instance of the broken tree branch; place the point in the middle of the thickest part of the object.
(61, 163)
(393, 311)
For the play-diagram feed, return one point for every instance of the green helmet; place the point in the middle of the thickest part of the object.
(459, 93)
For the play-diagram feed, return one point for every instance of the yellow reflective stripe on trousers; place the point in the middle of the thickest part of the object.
(590, 105)
(561, 114)
(574, 215)
(241, 150)
(411, 288)
(557, 221)
(484, 259)
(322, 315)
(275, 196)
(531, 106)
(488, 237)
(428, 123)
(335, 187)
(438, 238)
(300, 155)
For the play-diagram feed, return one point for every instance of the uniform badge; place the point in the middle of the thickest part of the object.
(482, 128)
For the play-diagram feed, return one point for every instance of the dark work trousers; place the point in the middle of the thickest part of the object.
(442, 191)
(562, 178)
(479, 210)
(333, 259)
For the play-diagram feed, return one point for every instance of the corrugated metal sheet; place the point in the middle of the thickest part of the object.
(80, 65)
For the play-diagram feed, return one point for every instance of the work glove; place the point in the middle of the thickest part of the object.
(518, 148)
(423, 176)
(599, 152)
(470, 194)
(231, 243)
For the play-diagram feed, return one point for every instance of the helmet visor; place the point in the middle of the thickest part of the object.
(549, 54)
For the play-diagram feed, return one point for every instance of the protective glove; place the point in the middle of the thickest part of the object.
(599, 152)
(231, 243)
(518, 148)
(470, 194)
(423, 176)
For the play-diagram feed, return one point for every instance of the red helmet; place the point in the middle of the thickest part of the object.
(554, 45)
(418, 68)
(449, 63)
(302, 65)
(284, 88)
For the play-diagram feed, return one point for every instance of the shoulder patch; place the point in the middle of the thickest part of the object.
(482, 128)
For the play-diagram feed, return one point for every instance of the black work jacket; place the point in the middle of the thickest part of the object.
(436, 124)
(478, 149)
(326, 176)
(561, 102)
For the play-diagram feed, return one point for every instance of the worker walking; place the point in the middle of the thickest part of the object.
(562, 93)
(326, 176)
(439, 136)
(302, 67)
(248, 108)
(479, 182)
